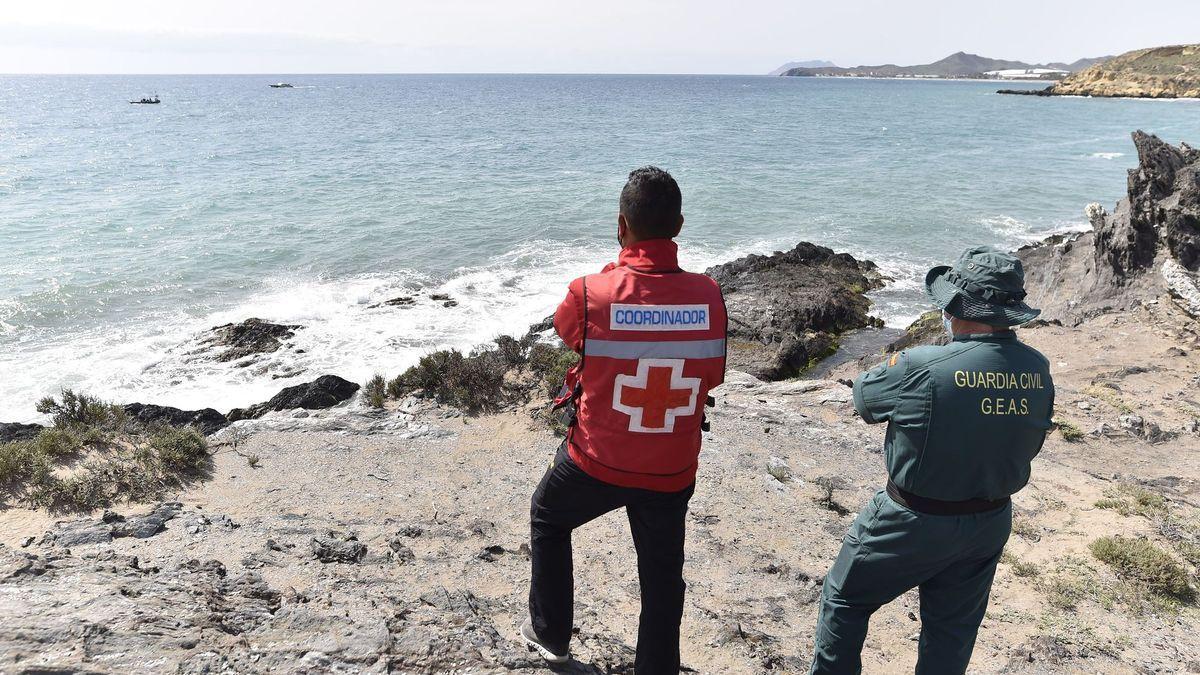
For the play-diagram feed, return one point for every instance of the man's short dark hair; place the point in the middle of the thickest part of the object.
(651, 203)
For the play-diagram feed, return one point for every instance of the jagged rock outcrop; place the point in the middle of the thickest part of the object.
(1162, 209)
(247, 338)
(207, 421)
(324, 392)
(15, 431)
(787, 309)
(1148, 245)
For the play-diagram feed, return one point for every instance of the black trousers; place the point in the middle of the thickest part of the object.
(567, 498)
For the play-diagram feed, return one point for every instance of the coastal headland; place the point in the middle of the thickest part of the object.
(382, 528)
(1160, 72)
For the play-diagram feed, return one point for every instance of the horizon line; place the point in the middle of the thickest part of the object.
(431, 72)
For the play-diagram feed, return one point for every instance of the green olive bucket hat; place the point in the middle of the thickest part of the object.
(985, 285)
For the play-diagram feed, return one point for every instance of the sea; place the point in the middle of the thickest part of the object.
(127, 231)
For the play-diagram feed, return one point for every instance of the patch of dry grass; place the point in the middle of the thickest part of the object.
(1128, 499)
(1110, 395)
(1069, 431)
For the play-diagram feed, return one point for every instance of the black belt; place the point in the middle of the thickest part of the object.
(937, 507)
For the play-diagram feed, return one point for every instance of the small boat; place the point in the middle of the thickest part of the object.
(281, 85)
(147, 101)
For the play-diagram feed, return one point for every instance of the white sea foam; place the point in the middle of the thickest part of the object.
(1107, 155)
(346, 331)
(901, 301)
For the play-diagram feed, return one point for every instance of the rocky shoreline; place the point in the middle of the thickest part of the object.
(331, 536)
(787, 311)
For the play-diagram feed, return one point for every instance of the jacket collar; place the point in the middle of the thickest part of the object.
(651, 255)
(986, 337)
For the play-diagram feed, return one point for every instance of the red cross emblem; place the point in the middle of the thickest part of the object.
(656, 395)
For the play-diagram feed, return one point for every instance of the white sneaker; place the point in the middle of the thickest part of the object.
(531, 638)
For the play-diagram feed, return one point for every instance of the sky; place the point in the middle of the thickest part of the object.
(563, 36)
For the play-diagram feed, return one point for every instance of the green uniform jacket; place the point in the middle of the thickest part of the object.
(964, 419)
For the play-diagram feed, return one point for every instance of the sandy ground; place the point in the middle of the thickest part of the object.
(757, 546)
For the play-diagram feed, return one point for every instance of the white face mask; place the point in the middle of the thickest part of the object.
(948, 324)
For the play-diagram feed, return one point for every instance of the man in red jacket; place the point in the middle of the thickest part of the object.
(651, 339)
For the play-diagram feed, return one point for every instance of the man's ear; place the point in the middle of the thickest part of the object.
(622, 229)
(678, 227)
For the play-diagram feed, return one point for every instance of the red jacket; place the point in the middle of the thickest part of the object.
(652, 340)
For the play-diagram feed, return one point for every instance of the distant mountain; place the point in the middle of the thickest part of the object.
(959, 64)
(1082, 63)
(801, 64)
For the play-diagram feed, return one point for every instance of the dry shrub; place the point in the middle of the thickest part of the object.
(1142, 563)
(487, 379)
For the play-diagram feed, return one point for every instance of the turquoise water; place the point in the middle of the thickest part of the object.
(126, 229)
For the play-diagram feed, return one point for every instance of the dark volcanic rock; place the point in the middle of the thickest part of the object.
(1148, 244)
(445, 299)
(252, 336)
(399, 301)
(1160, 210)
(787, 309)
(1048, 91)
(324, 392)
(15, 431)
(1164, 194)
(207, 421)
(541, 326)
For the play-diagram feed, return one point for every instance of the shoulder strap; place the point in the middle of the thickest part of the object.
(583, 332)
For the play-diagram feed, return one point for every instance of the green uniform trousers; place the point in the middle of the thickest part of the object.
(889, 550)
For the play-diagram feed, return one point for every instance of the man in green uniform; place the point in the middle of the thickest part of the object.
(964, 422)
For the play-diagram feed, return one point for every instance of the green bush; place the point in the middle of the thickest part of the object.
(1144, 564)
(430, 372)
(135, 462)
(58, 443)
(18, 461)
(179, 450)
(80, 411)
(552, 364)
(512, 351)
(396, 387)
(375, 391)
